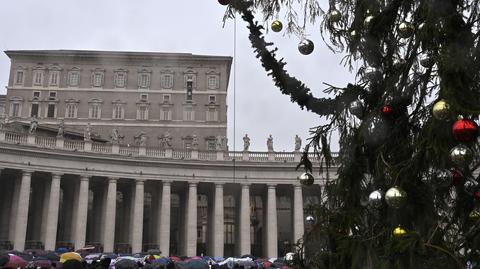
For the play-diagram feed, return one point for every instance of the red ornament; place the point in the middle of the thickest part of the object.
(465, 130)
(387, 111)
(457, 177)
(476, 194)
(224, 2)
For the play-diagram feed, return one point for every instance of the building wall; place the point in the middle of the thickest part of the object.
(181, 68)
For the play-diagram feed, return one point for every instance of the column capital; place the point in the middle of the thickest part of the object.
(167, 182)
(56, 174)
(245, 184)
(26, 172)
(84, 177)
(112, 179)
(297, 185)
(140, 181)
(192, 183)
(271, 185)
(219, 184)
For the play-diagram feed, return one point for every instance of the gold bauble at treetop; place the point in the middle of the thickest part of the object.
(277, 26)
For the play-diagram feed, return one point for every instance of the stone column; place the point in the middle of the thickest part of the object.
(81, 213)
(244, 221)
(297, 213)
(218, 222)
(137, 227)
(52, 213)
(272, 236)
(191, 225)
(22, 211)
(164, 219)
(110, 209)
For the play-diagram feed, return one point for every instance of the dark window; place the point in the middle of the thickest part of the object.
(36, 94)
(189, 90)
(51, 111)
(34, 110)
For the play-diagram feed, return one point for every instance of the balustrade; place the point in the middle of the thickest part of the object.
(153, 152)
(45, 141)
(101, 147)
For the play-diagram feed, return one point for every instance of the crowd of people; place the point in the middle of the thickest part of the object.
(152, 260)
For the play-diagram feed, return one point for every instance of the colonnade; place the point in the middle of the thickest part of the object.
(69, 198)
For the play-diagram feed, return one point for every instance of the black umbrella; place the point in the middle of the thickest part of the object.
(196, 264)
(52, 255)
(126, 264)
(4, 258)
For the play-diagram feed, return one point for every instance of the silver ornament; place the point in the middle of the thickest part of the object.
(444, 177)
(372, 73)
(426, 60)
(310, 220)
(356, 108)
(395, 197)
(375, 199)
(334, 16)
(461, 155)
(306, 179)
(353, 34)
(368, 21)
(306, 46)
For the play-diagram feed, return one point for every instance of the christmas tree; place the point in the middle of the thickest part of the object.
(406, 194)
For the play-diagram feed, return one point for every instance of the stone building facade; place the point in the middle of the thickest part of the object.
(155, 94)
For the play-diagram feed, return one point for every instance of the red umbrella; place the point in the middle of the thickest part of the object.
(175, 259)
(15, 262)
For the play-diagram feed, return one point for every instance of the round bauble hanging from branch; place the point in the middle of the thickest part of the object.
(461, 155)
(310, 220)
(396, 197)
(356, 108)
(334, 16)
(399, 231)
(387, 111)
(465, 130)
(306, 46)
(441, 110)
(444, 177)
(368, 21)
(276, 26)
(375, 199)
(405, 30)
(224, 2)
(372, 74)
(306, 179)
(474, 215)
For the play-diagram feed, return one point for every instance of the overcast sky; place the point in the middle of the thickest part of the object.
(191, 26)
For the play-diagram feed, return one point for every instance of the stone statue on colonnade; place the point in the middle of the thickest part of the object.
(246, 142)
(298, 143)
(270, 143)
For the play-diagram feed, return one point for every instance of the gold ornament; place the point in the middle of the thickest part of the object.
(306, 179)
(277, 26)
(353, 34)
(368, 21)
(334, 16)
(474, 215)
(399, 232)
(441, 110)
(395, 197)
(405, 30)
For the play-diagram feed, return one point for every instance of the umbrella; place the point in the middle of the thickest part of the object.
(4, 258)
(27, 257)
(126, 264)
(218, 259)
(70, 256)
(61, 250)
(72, 264)
(51, 255)
(162, 261)
(248, 256)
(154, 252)
(42, 262)
(175, 259)
(180, 265)
(196, 264)
(15, 261)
